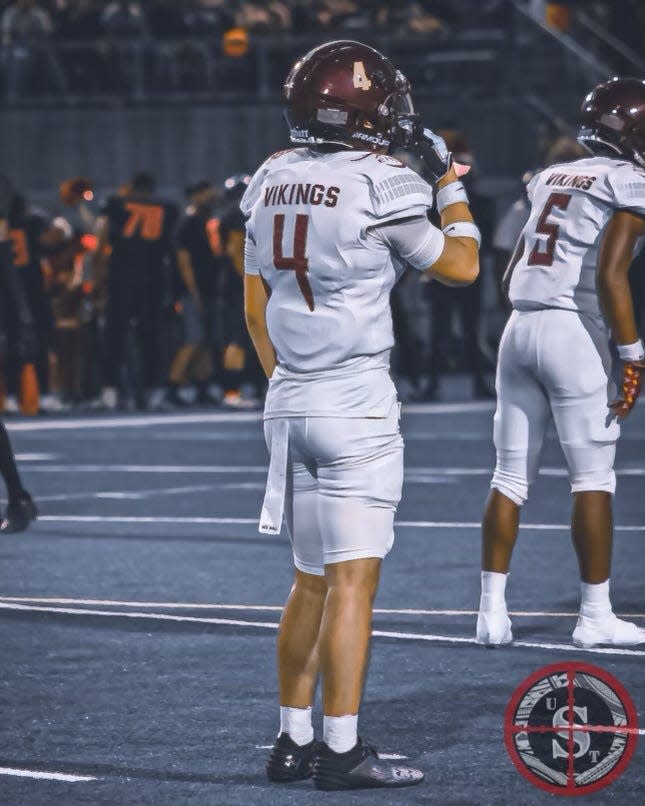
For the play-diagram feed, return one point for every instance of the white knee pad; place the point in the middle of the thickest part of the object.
(594, 481)
(514, 487)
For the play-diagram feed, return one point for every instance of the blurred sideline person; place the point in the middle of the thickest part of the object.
(198, 263)
(463, 304)
(235, 339)
(33, 235)
(78, 350)
(331, 226)
(570, 267)
(20, 507)
(138, 227)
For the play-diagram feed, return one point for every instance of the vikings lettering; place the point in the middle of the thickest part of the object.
(301, 194)
(571, 181)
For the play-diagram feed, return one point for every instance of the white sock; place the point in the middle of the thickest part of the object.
(594, 600)
(493, 594)
(340, 733)
(296, 723)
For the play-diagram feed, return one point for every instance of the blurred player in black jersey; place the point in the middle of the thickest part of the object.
(32, 234)
(138, 228)
(13, 307)
(199, 260)
(234, 337)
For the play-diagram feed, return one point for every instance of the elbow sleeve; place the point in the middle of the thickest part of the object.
(251, 264)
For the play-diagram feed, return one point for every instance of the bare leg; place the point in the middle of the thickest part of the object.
(345, 633)
(499, 532)
(591, 531)
(298, 640)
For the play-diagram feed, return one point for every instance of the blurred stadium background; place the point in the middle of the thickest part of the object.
(191, 91)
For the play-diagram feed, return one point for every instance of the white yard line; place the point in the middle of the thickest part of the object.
(189, 519)
(36, 457)
(142, 519)
(145, 420)
(141, 421)
(412, 474)
(48, 776)
(156, 469)
(277, 608)
(273, 625)
(128, 495)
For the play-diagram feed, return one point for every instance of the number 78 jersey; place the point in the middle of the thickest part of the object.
(571, 205)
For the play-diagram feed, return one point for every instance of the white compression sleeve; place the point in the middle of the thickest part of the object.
(415, 240)
(251, 265)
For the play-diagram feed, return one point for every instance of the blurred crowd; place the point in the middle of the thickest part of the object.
(64, 47)
(136, 299)
(79, 47)
(91, 19)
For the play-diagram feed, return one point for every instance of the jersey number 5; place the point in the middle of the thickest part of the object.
(545, 227)
(298, 262)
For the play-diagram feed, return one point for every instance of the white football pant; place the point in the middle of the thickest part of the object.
(554, 363)
(344, 480)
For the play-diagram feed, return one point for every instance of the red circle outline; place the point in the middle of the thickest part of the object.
(569, 667)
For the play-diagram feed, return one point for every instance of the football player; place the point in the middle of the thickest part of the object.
(14, 315)
(235, 339)
(569, 288)
(138, 227)
(199, 263)
(332, 224)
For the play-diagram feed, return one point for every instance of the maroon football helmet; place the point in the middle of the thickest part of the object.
(613, 120)
(346, 93)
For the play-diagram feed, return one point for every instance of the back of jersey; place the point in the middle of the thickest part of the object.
(329, 309)
(140, 233)
(571, 204)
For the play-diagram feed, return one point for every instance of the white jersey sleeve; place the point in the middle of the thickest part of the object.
(628, 185)
(415, 240)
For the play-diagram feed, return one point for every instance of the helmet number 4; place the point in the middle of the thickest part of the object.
(361, 81)
(298, 262)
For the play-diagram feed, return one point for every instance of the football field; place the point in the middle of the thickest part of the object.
(138, 616)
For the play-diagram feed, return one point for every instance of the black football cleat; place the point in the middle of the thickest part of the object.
(20, 513)
(290, 761)
(360, 768)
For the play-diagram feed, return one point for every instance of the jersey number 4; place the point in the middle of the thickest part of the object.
(546, 227)
(298, 262)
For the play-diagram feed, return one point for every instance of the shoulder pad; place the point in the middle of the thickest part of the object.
(628, 185)
(395, 189)
(252, 193)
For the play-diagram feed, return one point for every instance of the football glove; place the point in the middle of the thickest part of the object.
(429, 147)
(630, 388)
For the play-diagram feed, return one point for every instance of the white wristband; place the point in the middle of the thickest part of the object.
(463, 229)
(451, 194)
(631, 352)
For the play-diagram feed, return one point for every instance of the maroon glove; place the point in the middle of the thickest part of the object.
(633, 372)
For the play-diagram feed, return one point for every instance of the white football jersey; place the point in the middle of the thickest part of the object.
(571, 204)
(329, 316)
